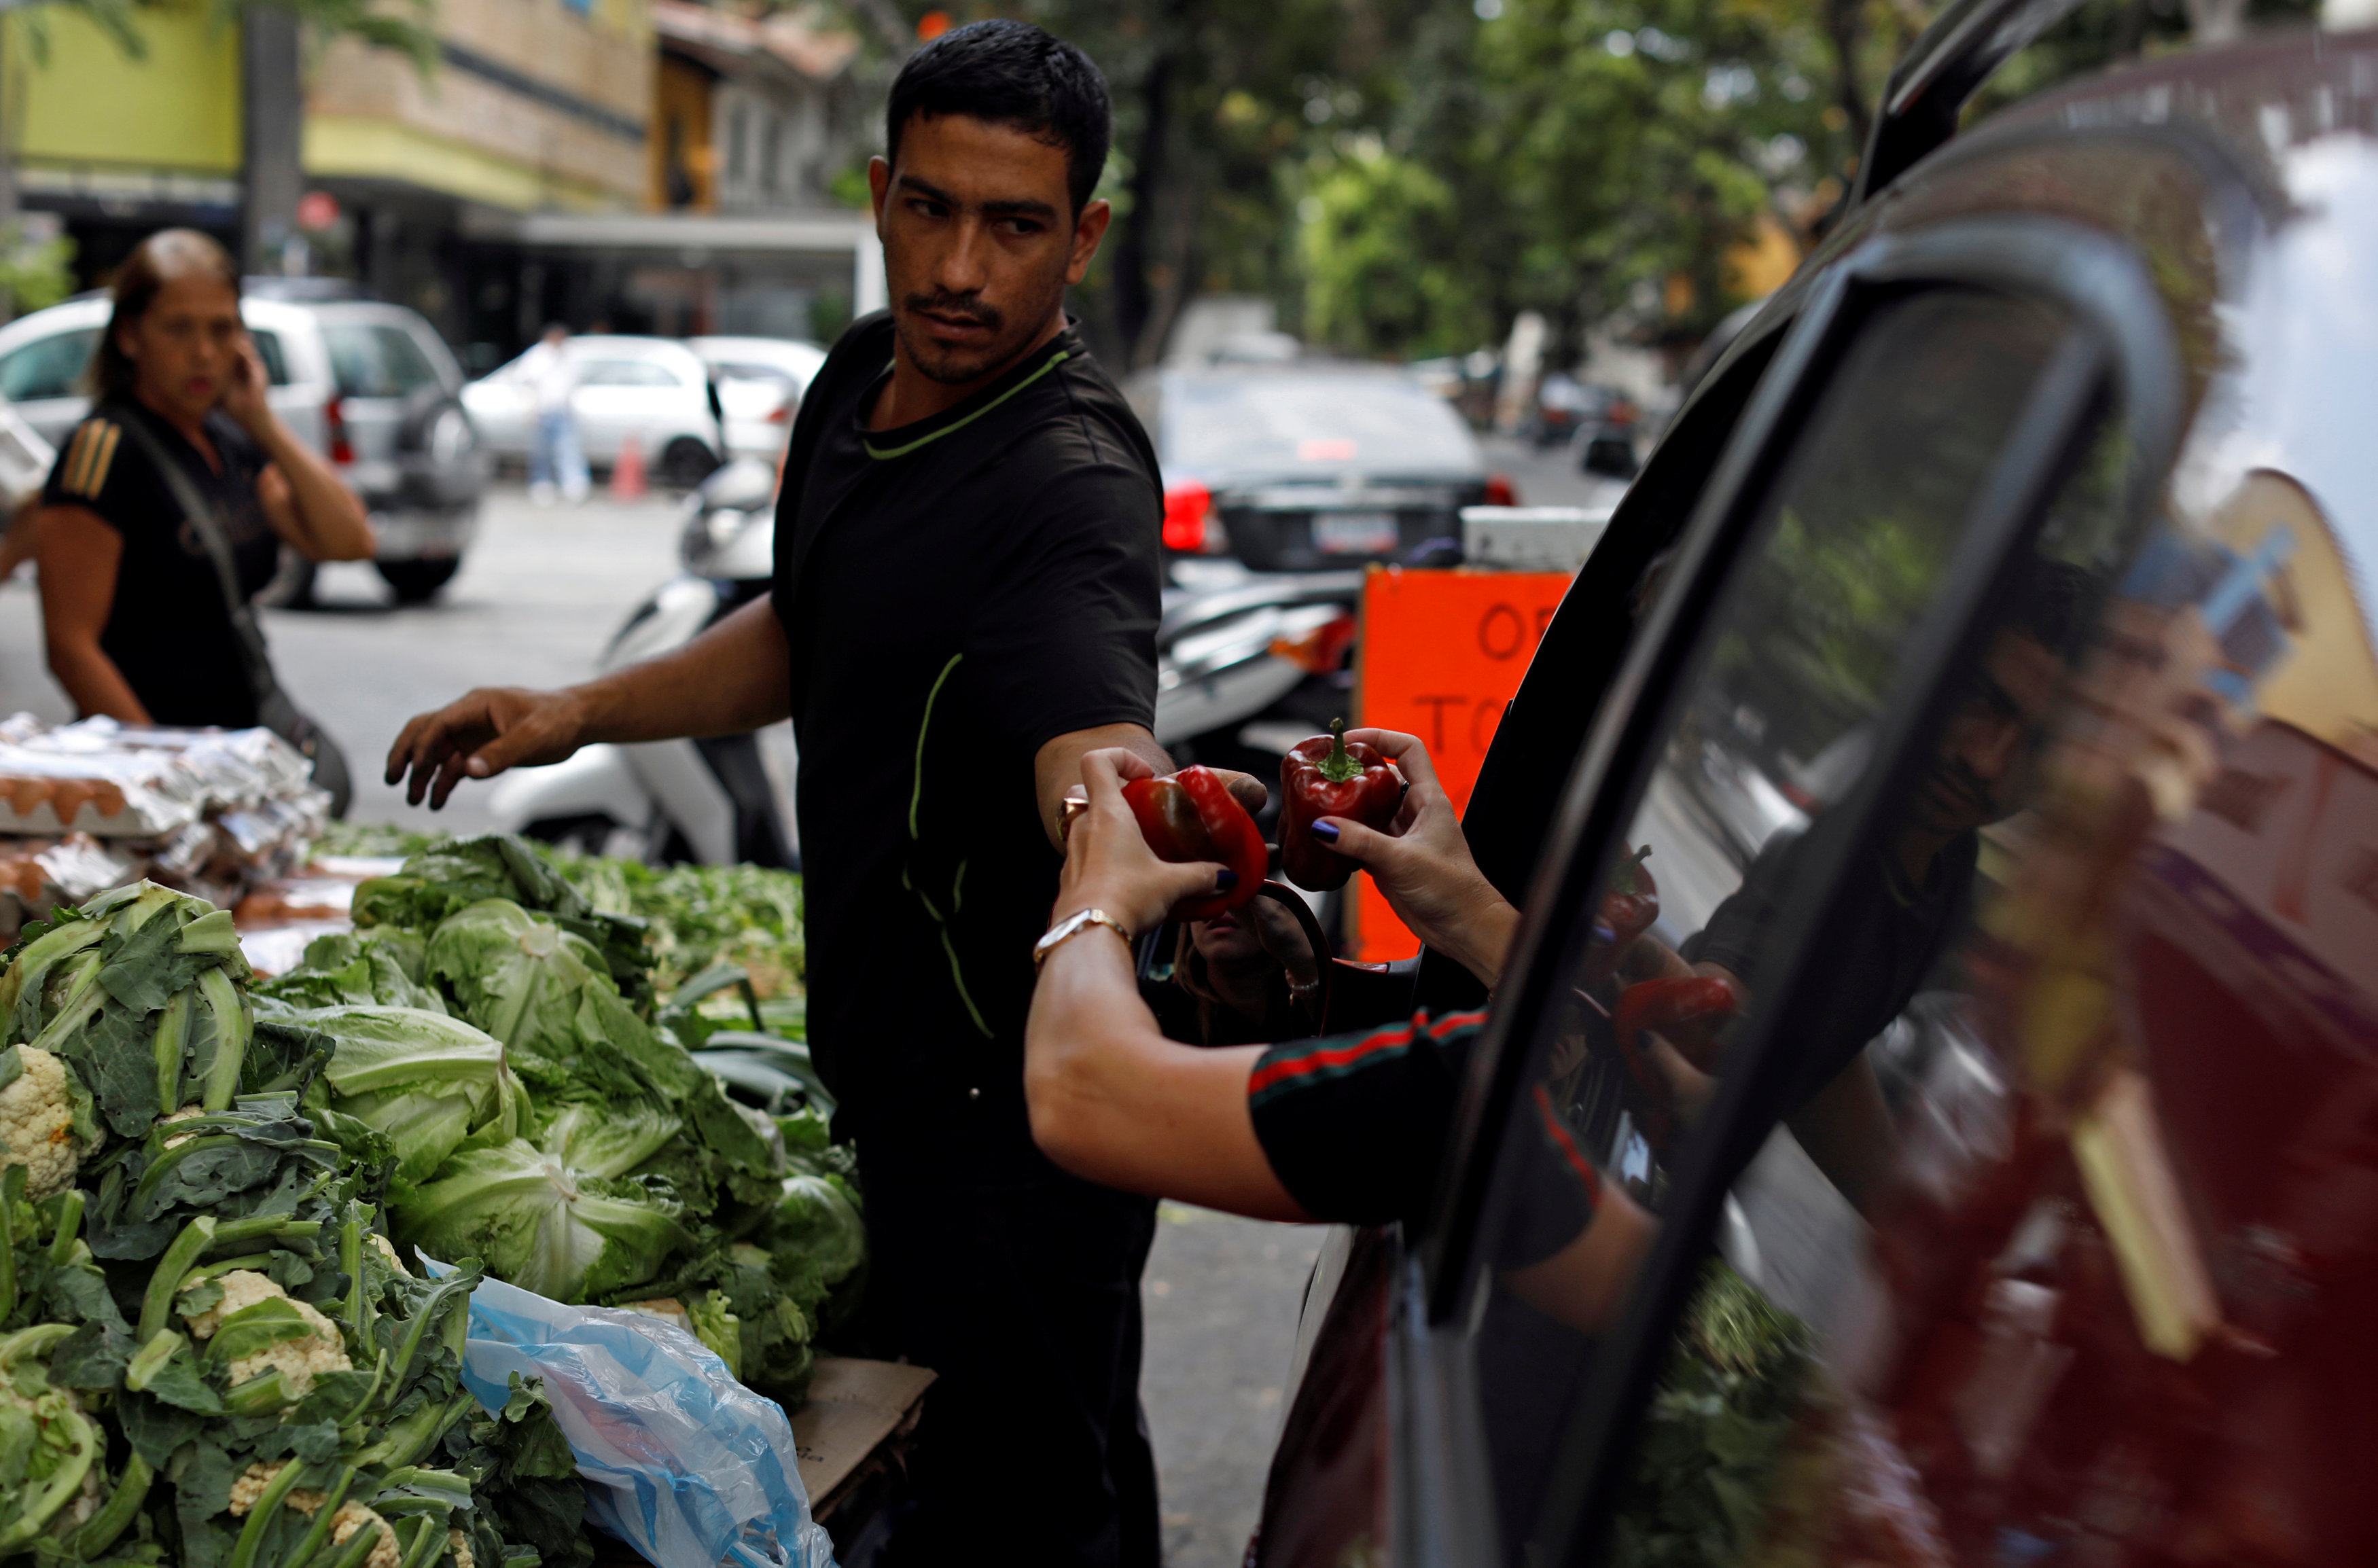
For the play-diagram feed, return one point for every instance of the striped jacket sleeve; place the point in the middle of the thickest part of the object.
(82, 469)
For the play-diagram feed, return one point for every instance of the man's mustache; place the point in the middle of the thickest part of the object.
(1958, 782)
(966, 307)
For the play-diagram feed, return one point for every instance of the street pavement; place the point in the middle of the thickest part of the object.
(1550, 478)
(537, 600)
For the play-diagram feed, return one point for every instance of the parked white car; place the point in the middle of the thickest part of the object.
(25, 460)
(652, 389)
(761, 382)
(371, 385)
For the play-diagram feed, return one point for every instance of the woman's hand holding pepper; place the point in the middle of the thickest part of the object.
(1108, 864)
(1424, 867)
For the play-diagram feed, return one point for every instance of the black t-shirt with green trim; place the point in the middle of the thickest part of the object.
(956, 594)
(168, 629)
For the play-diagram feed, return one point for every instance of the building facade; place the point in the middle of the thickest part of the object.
(640, 165)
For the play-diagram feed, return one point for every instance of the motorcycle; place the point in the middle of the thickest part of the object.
(715, 800)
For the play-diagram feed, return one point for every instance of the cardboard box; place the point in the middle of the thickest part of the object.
(854, 1408)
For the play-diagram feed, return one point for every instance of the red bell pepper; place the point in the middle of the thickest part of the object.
(1190, 816)
(1688, 1011)
(1628, 909)
(1326, 777)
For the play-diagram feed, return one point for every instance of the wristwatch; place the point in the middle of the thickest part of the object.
(1073, 924)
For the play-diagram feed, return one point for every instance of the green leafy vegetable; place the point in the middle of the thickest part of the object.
(382, 965)
(430, 1082)
(524, 1481)
(561, 1233)
(1715, 1431)
(139, 991)
(207, 1354)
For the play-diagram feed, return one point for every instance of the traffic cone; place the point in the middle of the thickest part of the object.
(627, 473)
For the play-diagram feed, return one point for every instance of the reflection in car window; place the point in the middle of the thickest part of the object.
(376, 361)
(47, 367)
(1774, 727)
(2108, 1298)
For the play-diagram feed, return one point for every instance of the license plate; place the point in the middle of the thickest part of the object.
(1355, 533)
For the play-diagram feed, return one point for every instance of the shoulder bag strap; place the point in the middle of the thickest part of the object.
(208, 525)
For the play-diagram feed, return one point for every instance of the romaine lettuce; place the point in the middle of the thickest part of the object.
(562, 1233)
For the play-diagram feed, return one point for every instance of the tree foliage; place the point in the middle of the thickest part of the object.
(1404, 177)
(1378, 244)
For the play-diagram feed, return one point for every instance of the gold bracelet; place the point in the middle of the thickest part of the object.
(1073, 924)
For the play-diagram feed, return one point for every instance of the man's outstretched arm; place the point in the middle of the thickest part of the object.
(736, 676)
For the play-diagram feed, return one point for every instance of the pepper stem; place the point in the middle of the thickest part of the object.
(1340, 765)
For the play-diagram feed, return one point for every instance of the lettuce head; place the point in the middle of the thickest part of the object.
(380, 965)
(538, 1224)
(432, 1084)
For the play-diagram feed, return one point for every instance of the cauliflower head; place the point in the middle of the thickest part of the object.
(39, 1113)
(299, 1357)
(185, 1114)
(354, 1516)
(249, 1490)
(241, 1287)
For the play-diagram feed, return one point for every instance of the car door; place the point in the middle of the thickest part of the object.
(381, 374)
(43, 380)
(619, 396)
(1943, 472)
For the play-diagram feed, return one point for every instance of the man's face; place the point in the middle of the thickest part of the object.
(980, 242)
(1992, 738)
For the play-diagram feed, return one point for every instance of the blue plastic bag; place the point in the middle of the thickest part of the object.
(680, 1461)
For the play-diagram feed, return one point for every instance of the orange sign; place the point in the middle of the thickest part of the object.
(1442, 655)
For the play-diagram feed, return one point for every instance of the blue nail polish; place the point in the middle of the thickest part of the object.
(1326, 832)
(1225, 880)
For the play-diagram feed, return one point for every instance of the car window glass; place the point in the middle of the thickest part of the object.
(376, 361)
(625, 372)
(1293, 424)
(47, 367)
(2105, 1285)
(1772, 728)
(275, 358)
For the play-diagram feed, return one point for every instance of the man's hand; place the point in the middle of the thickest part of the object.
(1108, 864)
(479, 734)
(1057, 772)
(1424, 867)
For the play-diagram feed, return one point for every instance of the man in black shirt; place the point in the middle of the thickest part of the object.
(965, 602)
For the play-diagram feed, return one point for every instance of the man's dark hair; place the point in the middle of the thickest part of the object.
(1012, 73)
(2051, 604)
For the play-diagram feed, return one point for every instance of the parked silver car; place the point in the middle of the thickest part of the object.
(761, 382)
(369, 385)
(654, 389)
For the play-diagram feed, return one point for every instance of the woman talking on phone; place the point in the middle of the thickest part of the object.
(168, 507)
